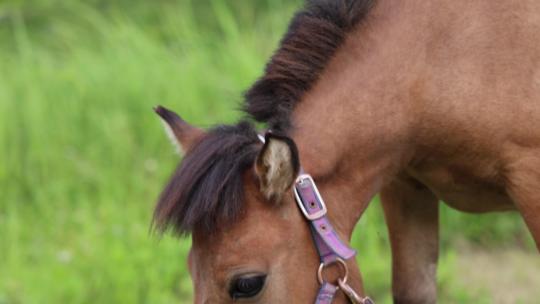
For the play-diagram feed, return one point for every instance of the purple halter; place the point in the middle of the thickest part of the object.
(330, 247)
(328, 243)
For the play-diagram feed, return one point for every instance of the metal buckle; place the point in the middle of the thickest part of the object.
(314, 216)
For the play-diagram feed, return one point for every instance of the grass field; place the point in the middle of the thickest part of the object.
(83, 157)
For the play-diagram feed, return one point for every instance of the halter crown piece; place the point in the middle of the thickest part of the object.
(330, 247)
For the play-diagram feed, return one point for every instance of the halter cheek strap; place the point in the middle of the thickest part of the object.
(329, 246)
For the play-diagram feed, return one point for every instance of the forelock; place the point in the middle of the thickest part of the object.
(207, 188)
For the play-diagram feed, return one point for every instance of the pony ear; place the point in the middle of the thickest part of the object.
(277, 166)
(183, 135)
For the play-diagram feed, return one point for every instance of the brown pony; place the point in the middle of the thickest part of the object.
(420, 101)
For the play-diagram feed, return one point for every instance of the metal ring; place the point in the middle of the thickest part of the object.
(339, 261)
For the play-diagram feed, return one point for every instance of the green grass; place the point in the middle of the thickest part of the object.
(83, 157)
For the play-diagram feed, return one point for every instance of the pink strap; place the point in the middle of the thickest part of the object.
(329, 246)
(326, 294)
(328, 243)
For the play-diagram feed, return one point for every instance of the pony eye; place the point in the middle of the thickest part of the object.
(247, 286)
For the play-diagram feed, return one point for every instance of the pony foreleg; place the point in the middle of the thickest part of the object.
(411, 213)
(524, 188)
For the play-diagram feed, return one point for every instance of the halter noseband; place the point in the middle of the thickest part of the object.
(330, 247)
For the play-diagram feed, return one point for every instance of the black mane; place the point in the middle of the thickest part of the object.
(314, 35)
(207, 187)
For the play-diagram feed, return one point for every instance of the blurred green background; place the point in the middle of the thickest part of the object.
(83, 157)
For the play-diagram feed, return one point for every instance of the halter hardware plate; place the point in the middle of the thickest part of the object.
(300, 182)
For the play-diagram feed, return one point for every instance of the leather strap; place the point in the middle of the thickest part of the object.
(327, 242)
(329, 245)
(326, 293)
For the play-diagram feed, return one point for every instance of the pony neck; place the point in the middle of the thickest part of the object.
(353, 128)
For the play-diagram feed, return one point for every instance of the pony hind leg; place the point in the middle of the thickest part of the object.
(524, 188)
(411, 213)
